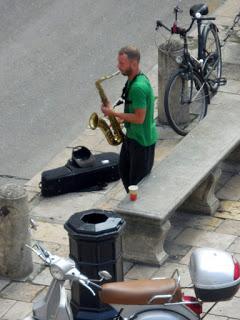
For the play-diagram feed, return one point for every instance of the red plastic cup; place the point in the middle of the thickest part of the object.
(133, 191)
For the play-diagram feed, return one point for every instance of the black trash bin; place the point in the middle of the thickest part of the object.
(95, 240)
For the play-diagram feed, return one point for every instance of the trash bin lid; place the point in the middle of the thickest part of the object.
(94, 222)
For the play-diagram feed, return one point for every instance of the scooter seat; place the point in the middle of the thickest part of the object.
(139, 292)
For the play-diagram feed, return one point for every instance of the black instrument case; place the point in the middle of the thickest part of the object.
(72, 178)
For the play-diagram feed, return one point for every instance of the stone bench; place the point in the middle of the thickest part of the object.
(186, 178)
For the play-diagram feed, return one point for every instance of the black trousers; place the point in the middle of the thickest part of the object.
(135, 162)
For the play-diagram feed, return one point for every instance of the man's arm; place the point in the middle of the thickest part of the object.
(137, 117)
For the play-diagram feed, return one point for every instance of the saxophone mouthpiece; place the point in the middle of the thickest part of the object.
(109, 76)
(116, 73)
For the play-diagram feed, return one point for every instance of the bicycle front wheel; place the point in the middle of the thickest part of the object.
(185, 101)
(212, 56)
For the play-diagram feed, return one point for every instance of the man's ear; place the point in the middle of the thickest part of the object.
(134, 64)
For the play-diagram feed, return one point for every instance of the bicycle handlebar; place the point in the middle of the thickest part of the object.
(174, 29)
(207, 18)
(159, 24)
(177, 30)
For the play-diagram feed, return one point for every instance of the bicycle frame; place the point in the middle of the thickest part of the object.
(200, 40)
(190, 64)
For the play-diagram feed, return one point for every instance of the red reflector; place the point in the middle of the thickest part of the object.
(196, 307)
(236, 269)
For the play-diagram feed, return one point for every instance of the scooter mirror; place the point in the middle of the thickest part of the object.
(105, 275)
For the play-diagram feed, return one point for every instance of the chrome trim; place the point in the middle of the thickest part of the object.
(159, 296)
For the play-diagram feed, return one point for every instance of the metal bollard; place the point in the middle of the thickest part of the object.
(167, 53)
(15, 258)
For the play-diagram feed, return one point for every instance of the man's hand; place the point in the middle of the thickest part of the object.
(107, 109)
(119, 120)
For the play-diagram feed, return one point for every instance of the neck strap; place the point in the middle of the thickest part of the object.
(127, 87)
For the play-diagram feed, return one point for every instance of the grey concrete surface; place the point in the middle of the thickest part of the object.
(16, 297)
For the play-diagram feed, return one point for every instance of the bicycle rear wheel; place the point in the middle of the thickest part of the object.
(212, 56)
(185, 101)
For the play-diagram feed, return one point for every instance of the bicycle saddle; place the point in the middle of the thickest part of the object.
(139, 292)
(201, 8)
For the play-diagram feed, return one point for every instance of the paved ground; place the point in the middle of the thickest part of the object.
(188, 231)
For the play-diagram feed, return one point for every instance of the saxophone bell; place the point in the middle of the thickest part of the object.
(93, 121)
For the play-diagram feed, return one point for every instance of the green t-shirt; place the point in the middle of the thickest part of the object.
(140, 96)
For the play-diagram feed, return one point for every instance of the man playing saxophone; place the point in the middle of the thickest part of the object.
(137, 151)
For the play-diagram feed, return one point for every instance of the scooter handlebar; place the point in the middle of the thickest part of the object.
(75, 275)
(42, 253)
(67, 266)
(83, 283)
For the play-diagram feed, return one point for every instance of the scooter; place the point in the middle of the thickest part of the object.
(215, 276)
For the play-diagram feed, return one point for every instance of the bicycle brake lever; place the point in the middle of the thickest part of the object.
(177, 9)
(158, 24)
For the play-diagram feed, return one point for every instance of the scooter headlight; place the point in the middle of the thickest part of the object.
(56, 272)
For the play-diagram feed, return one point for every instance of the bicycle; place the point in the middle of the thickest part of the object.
(230, 31)
(189, 88)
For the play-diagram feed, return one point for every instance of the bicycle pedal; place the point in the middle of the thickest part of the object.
(222, 81)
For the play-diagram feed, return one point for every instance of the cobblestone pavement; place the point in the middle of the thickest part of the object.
(187, 232)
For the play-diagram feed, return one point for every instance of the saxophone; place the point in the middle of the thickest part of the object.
(116, 136)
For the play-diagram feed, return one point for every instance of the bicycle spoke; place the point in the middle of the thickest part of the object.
(185, 101)
(212, 69)
(199, 92)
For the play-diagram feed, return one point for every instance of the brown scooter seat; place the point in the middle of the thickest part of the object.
(139, 292)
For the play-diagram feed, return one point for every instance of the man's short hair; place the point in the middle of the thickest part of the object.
(131, 52)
